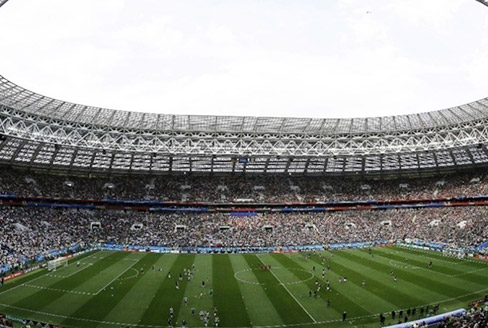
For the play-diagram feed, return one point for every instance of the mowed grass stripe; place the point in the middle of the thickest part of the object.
(339, 301)
(198, 297)
(375, 288)
(128, 309)
(470, 276)
(466, 270)
(379, 283)
(300, 281)
(57, 285)
(459, 279)
(415, 261)
(97, 307)
(287, 307)
(380, 265)
(27, 278)
(261, 311)
(418, 277)
(473, 262)
(167, 295)
(227, 295)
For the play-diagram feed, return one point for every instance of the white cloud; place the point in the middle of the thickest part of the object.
(318, 58)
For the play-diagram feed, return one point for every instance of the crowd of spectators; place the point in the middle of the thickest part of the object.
(476, 317)
(240, 187)
(28, 231)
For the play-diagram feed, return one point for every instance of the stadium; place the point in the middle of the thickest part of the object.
(112, 218)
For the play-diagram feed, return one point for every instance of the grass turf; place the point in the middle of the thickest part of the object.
(113, 289)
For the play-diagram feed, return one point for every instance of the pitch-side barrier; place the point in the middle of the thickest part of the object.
(430, 320)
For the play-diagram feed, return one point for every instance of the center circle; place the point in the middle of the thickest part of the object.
(244, 276)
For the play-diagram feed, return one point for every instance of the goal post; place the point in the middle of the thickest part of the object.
(54, 264)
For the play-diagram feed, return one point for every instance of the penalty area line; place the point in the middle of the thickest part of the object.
(117, 277)
(286, 288)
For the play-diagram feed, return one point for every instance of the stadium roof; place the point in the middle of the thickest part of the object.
(14, 96)
(41, 132)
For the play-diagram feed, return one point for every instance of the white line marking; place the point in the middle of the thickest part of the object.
(431, 253)
(41, 276)
(117, 277)
(416, 267)
(58, 290)
(113, 323)
(286, 288)
(72, 274)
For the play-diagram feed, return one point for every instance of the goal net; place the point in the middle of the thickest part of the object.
(54, 264)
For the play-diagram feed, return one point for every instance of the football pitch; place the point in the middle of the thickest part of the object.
(117, 289)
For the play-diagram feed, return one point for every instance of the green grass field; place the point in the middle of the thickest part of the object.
(108, 288)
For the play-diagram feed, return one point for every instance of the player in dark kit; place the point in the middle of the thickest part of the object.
(344, 315)
(382, 319)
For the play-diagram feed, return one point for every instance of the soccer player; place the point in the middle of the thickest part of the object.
(313, 268)
(344, 315)
(78, 264)
(328, 303)
(203, 283)
(364, 283)
(185, 299)
(382, 319)
(393, 314)
(177, 285)
(310, 294)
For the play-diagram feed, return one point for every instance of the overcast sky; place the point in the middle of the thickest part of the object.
(306, 58)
